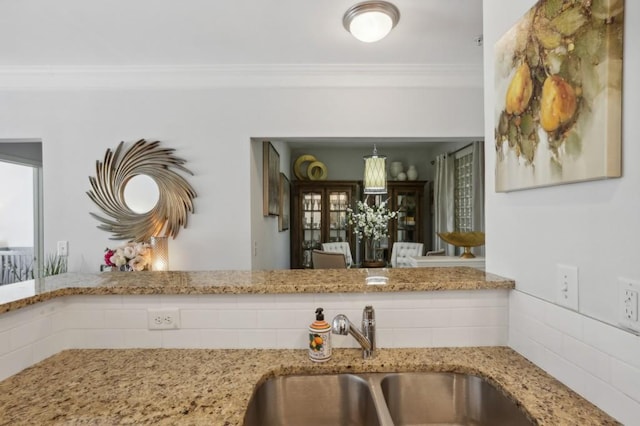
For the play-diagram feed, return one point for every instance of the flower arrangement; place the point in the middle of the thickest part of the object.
(370, 222)
(131, 256)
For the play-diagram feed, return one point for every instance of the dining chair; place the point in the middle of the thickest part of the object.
(339, 247)
(402, 251)
(327, 260)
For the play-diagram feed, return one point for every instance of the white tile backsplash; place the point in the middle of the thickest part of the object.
(597, 360)
(587, 357)
(626, 378)
(406, 319)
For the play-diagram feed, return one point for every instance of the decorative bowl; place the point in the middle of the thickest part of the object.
(463, 239)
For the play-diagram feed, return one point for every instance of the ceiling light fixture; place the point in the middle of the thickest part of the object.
(371, 21)
(375, 173)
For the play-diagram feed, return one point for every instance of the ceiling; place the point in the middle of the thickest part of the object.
(70, 33)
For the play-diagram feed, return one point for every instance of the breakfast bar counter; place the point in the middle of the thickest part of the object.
(213, 387)
(15, 296)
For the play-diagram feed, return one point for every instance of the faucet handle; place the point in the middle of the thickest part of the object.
(368, 314)
(340, 324)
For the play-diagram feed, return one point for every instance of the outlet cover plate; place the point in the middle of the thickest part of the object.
(567, 286)
(628, 295)
(163, 318)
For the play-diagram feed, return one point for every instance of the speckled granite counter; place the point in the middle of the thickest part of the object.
(194, 386)
(15, 296)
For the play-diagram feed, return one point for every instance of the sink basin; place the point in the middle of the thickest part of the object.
(381, 399)
(340, 399)
(447, 399)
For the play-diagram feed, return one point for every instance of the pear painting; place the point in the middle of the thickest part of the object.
(558, 82)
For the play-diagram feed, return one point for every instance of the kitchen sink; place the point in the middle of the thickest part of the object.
(384, 399)
(339, 399)
(447, 399)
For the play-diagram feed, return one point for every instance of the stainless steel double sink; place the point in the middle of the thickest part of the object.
(385, 399)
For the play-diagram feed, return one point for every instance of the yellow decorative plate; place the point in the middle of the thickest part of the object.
(317, 171)
(298, 164)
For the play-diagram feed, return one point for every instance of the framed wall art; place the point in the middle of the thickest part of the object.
(270, 180)
(558, 75)
(285, 203)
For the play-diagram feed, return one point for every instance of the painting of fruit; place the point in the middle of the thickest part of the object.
(315, 342)
(558, 85)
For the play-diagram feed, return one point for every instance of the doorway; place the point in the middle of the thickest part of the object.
(21, 236)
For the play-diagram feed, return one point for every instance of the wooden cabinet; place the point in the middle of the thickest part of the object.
(408, 198)
(319, 215)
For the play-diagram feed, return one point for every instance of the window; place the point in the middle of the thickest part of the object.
(463, 206)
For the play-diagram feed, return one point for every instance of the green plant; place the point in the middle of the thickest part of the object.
(54, 265)
(20, 273)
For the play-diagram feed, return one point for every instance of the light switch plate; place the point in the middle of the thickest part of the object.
(628, 295)
(567, 286)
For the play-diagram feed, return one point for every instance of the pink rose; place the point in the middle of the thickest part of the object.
(107, 257)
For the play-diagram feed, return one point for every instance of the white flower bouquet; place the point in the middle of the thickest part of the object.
(131, 256)
(370, 222)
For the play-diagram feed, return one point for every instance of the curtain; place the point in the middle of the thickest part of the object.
(443, 199)
(477, 191)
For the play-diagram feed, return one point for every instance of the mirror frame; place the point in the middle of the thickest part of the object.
(174, 204)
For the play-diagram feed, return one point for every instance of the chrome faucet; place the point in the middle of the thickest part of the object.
(366, 337)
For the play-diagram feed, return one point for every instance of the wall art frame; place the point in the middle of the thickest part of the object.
(176, 195)
(558, 92)
(270, 180)
(285, 203)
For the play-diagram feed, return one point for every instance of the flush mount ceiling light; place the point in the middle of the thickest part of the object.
(371, 21)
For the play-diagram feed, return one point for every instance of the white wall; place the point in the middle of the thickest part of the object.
(210, 128)
(591, 225)
(348, 163)
(16, 205)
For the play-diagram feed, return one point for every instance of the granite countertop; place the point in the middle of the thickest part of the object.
(15, 296)
(198, 386)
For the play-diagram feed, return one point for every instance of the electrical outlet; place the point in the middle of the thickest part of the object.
(63, 248)
(628, 294)
(163, 318)
(567, 286)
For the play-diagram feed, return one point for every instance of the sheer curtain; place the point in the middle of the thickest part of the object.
(443, 199)
(477, 191)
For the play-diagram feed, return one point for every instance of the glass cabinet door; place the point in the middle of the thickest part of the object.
(311, 225)
(406, 202)
(338, 203)
(319, 215)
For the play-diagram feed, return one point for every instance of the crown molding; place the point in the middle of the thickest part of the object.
(288, 75)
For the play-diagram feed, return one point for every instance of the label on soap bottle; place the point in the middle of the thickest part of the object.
(320, 342)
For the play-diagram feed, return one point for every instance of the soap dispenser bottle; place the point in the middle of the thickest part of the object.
(319, 339)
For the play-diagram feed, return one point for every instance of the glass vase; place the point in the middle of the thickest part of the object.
(372, 252)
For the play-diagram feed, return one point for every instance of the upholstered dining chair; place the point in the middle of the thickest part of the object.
(327, 260)
(339, 247)
(435, 253)
(402, 251)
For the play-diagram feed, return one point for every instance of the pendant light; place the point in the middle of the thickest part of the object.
(375, 173)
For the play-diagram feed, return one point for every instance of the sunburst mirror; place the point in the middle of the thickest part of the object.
(141, 193)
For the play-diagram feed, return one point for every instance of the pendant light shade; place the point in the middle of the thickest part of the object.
(371, 21)
(375, 173)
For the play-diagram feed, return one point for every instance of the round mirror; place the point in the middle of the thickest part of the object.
(141, 193)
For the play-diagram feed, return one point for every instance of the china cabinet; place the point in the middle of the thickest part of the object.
(408, 199)
(319, 215)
